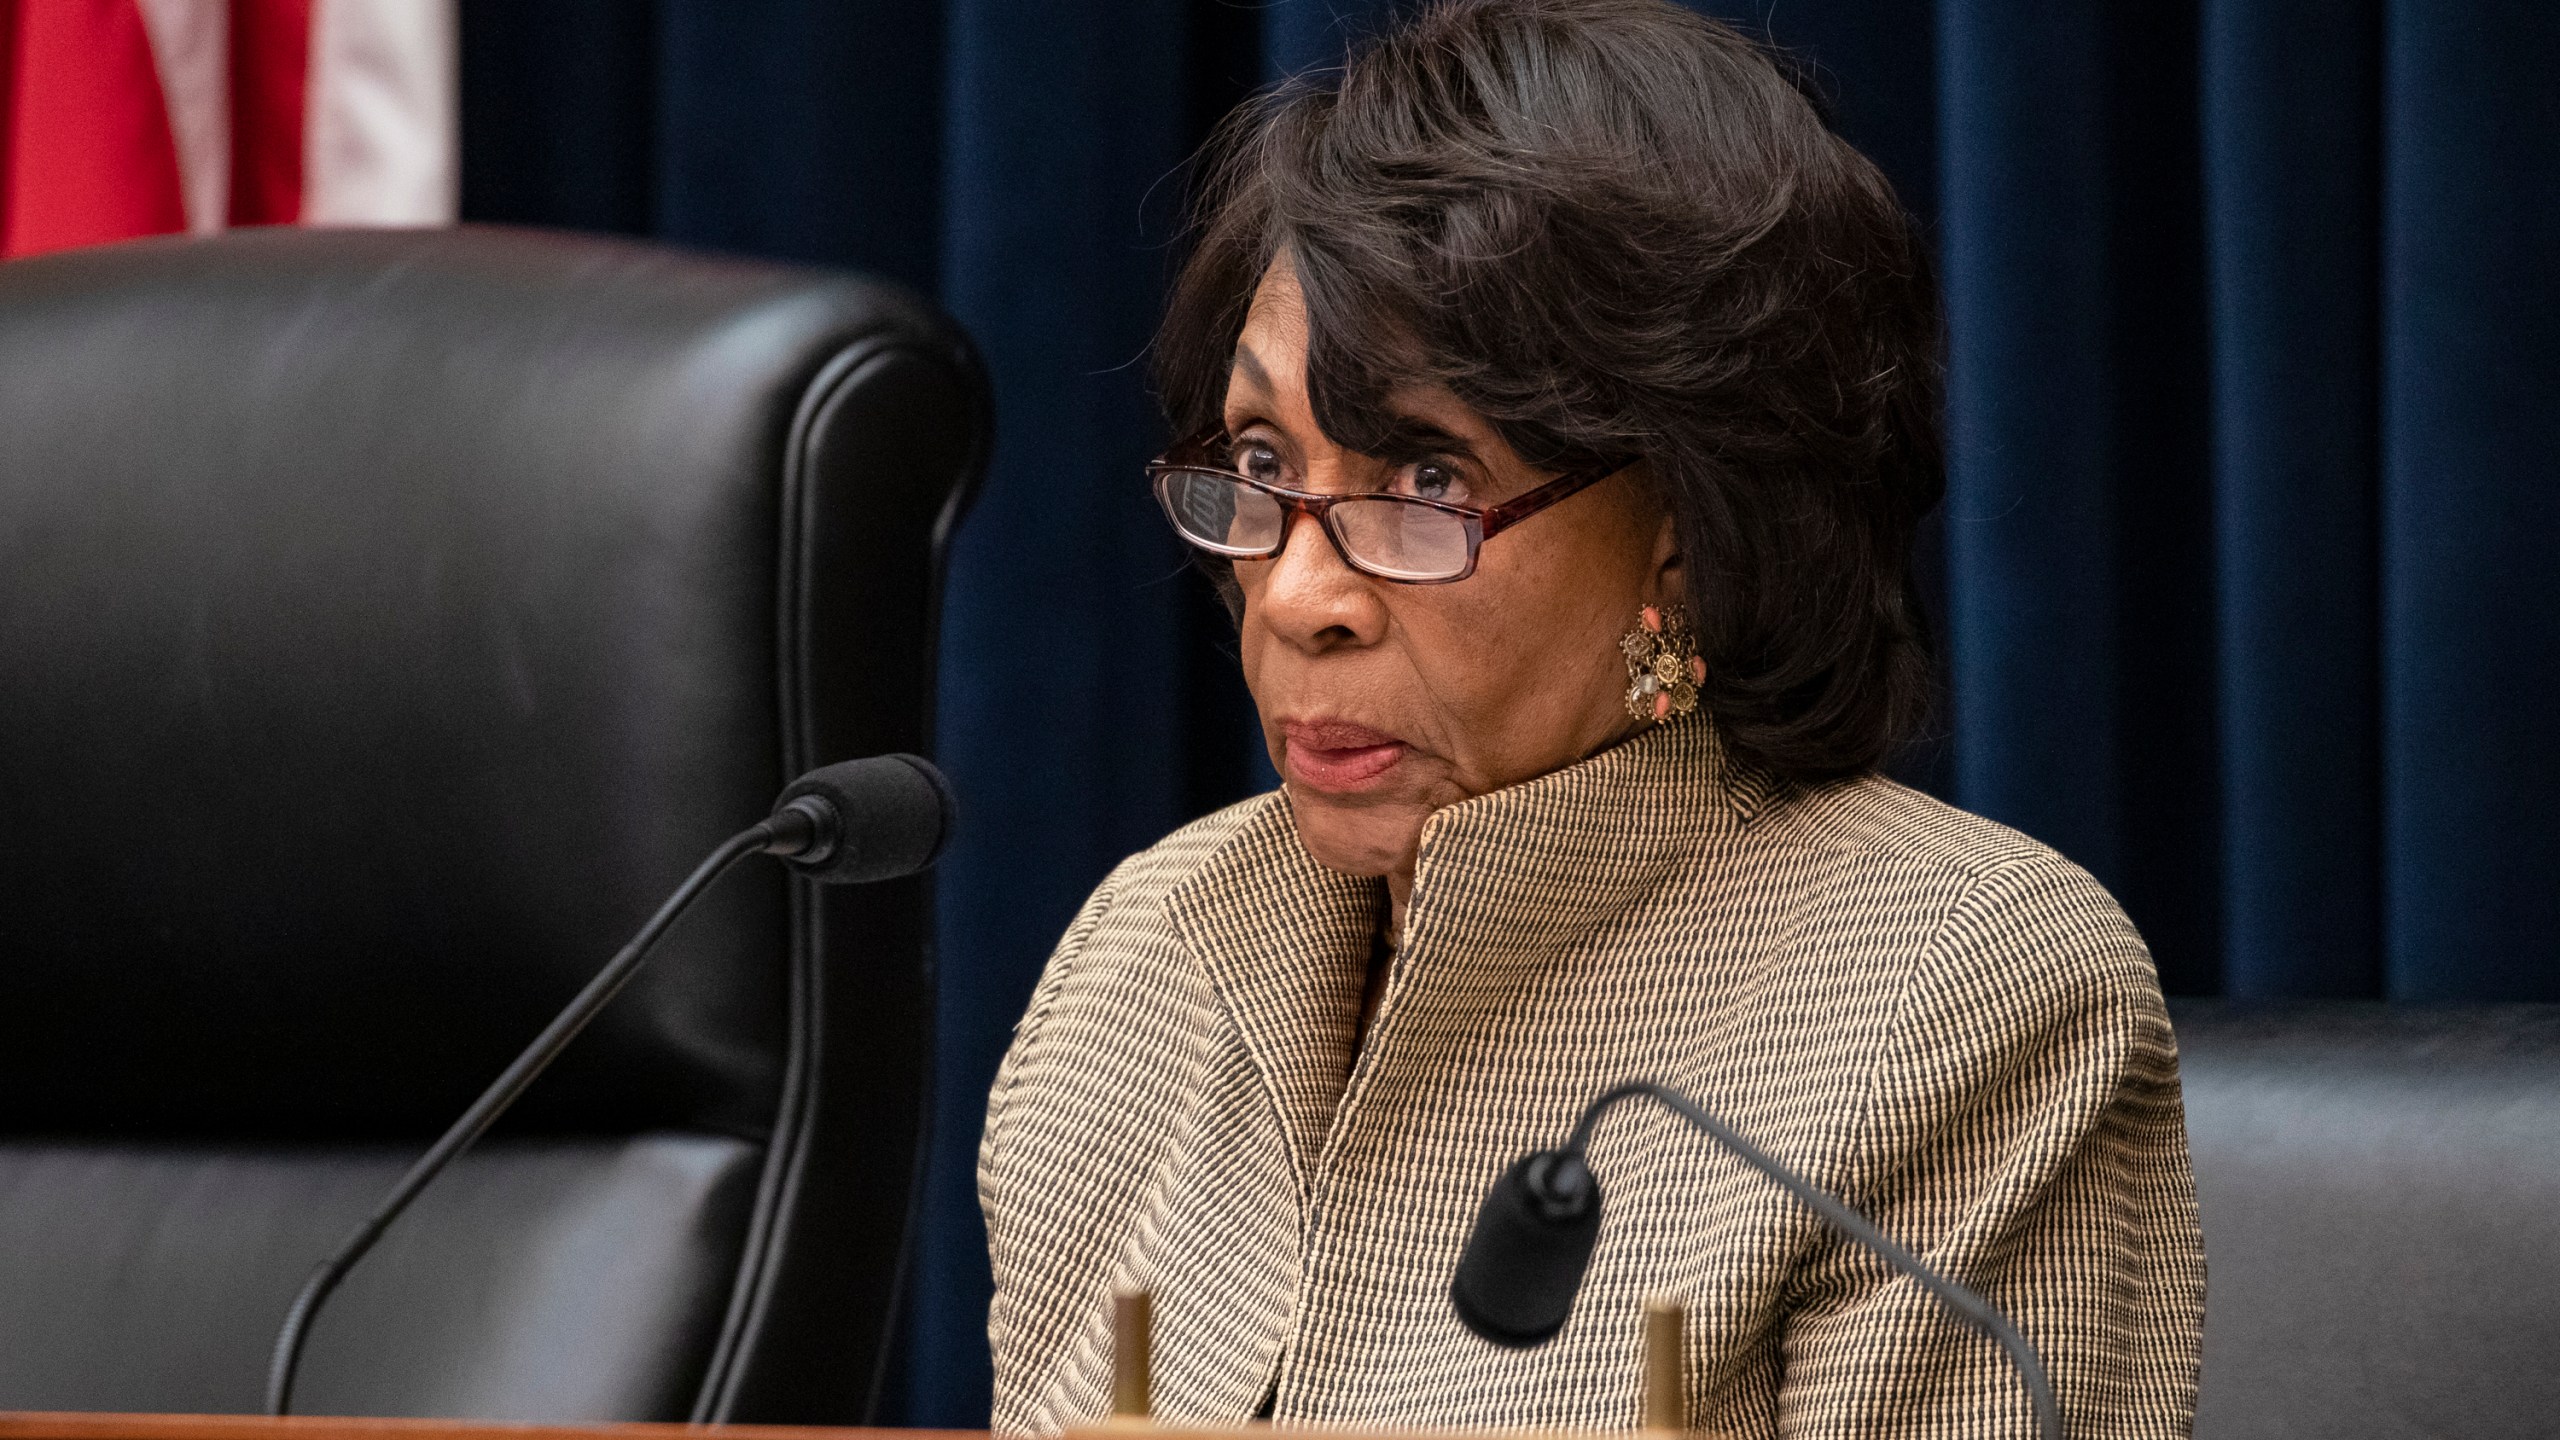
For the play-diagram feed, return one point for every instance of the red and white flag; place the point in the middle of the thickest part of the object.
(142, 117)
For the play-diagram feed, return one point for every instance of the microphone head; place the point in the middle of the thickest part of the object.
(1517, 1277)
(891, 817)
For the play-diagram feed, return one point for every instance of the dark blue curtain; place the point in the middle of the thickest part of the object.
(2253, 310)
(2247, 563)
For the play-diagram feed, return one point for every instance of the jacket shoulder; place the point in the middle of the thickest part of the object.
(1156, 870)
(1123, 912)
(1894, 821)
(2006, 907)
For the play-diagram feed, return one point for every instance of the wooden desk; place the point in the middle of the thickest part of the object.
(98, 1425)
(92, 1425)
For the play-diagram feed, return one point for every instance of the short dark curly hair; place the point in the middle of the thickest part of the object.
(1613, 227)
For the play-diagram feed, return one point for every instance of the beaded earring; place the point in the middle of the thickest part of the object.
(1664, 670)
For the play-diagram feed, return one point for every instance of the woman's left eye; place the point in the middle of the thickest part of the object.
(1256, 461)
(1431, 480)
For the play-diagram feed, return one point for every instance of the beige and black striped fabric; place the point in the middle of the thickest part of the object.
(1931, 1016)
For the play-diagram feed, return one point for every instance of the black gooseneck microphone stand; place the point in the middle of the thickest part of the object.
(1533, 1240)
(857, 821)
(493, 1102)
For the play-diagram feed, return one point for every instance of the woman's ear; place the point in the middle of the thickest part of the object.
(1666, 582)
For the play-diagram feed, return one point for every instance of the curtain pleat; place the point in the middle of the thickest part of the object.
(2292, 172)
(802, 129)
(2470, 294)
(2031, 555)
(1060, 680)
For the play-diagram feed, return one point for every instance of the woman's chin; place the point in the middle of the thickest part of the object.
(1368, 839)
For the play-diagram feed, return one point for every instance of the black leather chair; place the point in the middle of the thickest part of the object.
(2380, 1188)
(387, 622)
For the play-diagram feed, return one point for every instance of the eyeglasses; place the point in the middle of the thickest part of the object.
(1403, 538)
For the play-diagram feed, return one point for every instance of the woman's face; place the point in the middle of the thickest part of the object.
(1383, 702)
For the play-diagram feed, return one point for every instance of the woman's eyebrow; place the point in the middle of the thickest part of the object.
(1410, 437)
(1249, 365)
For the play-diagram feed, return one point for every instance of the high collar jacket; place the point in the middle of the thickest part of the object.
(1934, 1018)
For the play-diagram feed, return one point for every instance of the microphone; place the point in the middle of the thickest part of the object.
(905, 811)
(851, 823)
(1533, 1238)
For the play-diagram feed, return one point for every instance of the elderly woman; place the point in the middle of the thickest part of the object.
(1560, 400)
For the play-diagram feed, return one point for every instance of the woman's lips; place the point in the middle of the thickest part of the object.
(1338, 755)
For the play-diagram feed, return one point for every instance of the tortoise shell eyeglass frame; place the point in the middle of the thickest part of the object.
(1202, 454)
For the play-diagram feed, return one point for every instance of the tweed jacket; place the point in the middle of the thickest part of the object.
(1933, 1017)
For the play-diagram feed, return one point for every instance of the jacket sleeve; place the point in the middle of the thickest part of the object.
(1009, 1199)
(2024, 1134)
(1026, 1034)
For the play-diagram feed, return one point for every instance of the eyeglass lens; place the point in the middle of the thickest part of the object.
(1218, 514)
(1386, 537)
(1402, 542)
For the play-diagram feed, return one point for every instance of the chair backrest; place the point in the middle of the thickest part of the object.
(387, 622)
(2381, 1196)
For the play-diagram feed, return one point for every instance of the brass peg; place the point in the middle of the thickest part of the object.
(1132, 1323)
(1666, 1395)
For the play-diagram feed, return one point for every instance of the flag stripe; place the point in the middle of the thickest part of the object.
(383, 131)
(121, 118)
(89, 155)
(270, 65)
(189, 49)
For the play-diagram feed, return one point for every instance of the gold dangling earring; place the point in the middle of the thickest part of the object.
(1664, 670)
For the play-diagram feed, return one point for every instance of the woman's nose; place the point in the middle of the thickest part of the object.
(1311, 598)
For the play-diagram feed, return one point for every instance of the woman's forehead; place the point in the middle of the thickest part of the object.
(1269, 365)
(1423, 413)
(1278, 309)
